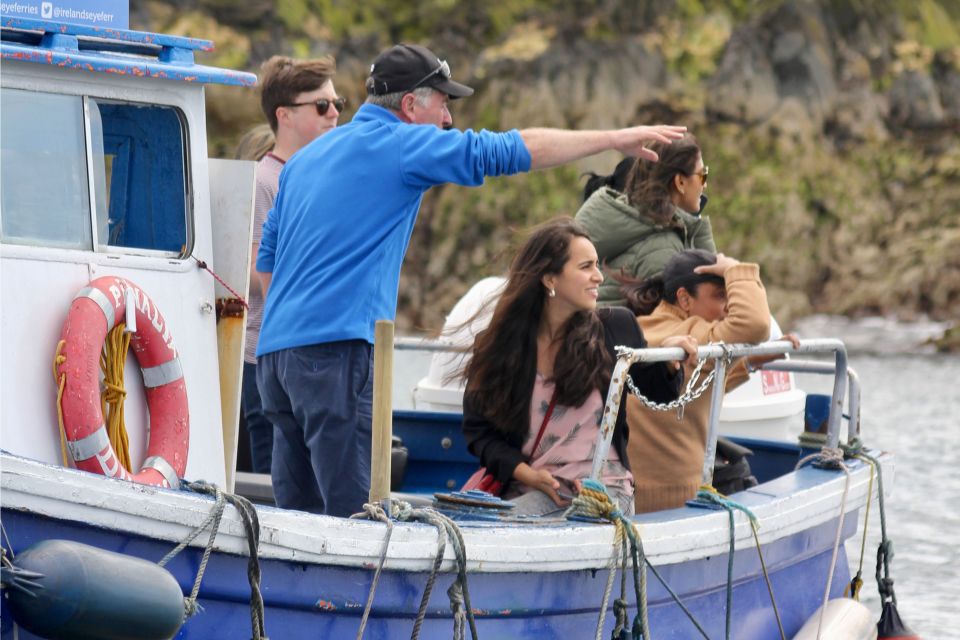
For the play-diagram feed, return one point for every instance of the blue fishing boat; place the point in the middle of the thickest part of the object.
(113, 214)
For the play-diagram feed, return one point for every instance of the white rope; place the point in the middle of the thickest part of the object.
(833, 458)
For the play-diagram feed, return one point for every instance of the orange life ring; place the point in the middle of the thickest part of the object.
(95, 310)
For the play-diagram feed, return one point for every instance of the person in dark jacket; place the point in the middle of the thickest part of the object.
(537, 380)
(639, 226)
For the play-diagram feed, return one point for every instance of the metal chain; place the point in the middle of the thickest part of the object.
(690, 393)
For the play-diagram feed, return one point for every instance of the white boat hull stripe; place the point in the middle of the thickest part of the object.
(162, 373)
(102, 301)
(89, 446)
(165, 468)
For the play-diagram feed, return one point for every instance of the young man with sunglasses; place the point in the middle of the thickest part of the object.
(300, 104)
(332, 250)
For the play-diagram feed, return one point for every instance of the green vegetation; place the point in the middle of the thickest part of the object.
(847, 208)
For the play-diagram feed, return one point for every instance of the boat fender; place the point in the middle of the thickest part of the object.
(891, 627)
(88, 593)
(843, 619)
(95, 310)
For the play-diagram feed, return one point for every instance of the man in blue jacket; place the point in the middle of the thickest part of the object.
(331, 253)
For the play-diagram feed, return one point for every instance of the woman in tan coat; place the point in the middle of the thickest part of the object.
(713, 298)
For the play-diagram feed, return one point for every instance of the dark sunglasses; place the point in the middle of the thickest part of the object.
(703, 174)
(323, 105)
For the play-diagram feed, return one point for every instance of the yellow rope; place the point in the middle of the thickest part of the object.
(853, 589)
(113, 357)
(60, 379)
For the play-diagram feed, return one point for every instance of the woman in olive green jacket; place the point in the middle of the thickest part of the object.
(638, 231)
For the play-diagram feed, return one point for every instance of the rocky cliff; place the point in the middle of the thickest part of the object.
(830, 127)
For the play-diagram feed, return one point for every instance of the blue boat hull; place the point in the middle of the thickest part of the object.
(314, 601)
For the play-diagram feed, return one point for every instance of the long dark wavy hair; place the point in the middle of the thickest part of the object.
(502, 370)
(643, 296)
(650, 184)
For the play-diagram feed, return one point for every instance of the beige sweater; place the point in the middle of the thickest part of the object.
(667, 455)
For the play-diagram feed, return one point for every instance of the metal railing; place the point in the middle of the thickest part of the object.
(846, 383)
(723, 354)
(429, 344)
(828, 368)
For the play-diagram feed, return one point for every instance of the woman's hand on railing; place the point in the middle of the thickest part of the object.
(687, 343)
(540, 479)
(755, 362)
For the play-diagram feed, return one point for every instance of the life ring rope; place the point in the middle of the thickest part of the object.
(60, 379)
(99, 445)
(113, 358)
(112, 361)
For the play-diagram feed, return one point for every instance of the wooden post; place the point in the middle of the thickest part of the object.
(382, 411)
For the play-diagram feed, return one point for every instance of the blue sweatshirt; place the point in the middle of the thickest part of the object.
(343, 217)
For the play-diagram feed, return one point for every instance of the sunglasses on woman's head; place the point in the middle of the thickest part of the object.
(323, 105)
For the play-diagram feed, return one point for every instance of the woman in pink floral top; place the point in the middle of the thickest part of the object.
(547, 343)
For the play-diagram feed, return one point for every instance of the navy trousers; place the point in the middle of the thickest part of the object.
(320, 401)
(259, 428)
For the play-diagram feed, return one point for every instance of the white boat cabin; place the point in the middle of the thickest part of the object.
(105, 172)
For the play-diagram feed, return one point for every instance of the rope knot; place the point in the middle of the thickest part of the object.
(621, 616)
(594, 502)
(853, 448)
(708, 496)
(830, 458)
(401, 510)
(885, 588)
(113, 393)
(886, 549)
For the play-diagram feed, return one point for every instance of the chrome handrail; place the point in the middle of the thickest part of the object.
(721, 353)
(429, 344)
(828, 368)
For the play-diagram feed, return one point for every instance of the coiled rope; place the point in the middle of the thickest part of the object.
(593, 501)
(251, 526)
(113, 358)
(830, 458)
(593, 505)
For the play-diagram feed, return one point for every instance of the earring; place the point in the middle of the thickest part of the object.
(552, 292)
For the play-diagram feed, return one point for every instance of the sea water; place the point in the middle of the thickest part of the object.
(910, 405)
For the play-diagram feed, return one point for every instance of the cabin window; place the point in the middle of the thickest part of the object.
(139, 160)
(45, 198)
(67, 156)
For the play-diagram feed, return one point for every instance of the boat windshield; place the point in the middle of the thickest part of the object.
(65, 156)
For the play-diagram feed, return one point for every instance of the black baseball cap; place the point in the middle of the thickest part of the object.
(405, 67)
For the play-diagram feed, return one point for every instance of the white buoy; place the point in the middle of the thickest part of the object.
(843, 619)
